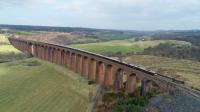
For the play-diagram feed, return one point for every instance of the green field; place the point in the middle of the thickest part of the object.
(186, 70)
(7, 51)
(5, 47)
(32, 85)
(128, 46)
(3, 39)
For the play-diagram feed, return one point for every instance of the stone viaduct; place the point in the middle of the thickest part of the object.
(100, 69)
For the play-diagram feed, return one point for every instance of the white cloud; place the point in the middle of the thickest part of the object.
(133, 14)
(43, 2)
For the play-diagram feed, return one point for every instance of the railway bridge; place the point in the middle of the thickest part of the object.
(98, 68)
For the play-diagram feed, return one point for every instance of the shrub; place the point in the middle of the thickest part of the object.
(130, 104)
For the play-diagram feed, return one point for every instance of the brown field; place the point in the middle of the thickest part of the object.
(186, 70)
(60, 38)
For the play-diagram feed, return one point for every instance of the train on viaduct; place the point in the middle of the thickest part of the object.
(104, 70)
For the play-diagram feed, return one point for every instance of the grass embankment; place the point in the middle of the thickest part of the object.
(33, 85)
(186, 70)
(7, 51)
(128, 46)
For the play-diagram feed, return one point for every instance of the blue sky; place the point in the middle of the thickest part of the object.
(109, 14)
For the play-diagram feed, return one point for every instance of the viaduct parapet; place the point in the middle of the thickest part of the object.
(100, 69)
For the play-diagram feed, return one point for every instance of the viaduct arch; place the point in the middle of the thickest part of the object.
(98, 68)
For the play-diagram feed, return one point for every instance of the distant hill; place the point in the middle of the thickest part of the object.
(107, 34)
(91, 32)
(46, 28)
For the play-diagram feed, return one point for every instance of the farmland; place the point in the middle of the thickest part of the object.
(127, 46)
(26, 86)
(182, 69)
(33, 85)
(186, 70)
(7, 51)
(3, 39)
(5, 47)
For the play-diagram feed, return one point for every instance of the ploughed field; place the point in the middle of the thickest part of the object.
(32, 85)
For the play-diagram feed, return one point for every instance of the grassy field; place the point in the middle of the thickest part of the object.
(3, 39)
(4, 49)
(5, 46)
(7, 51)
(128, 46)
(182, 69)
(32, 85)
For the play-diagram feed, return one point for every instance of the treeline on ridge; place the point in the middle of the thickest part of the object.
(180, 52)
(172, 51)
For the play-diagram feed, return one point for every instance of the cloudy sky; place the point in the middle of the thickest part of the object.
(109, 14)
